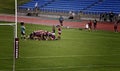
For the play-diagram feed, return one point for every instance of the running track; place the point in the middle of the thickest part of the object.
(36, 20)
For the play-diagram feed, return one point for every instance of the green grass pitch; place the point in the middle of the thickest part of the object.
(6, 47)
(78, 50)
(8, 6)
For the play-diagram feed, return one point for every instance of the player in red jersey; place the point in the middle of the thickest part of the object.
(116, 25)
(90, 25)
(59, 31)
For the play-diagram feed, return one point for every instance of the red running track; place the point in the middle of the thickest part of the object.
(35, 20)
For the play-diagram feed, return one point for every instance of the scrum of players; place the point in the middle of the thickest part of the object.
(45, 35)
(42, 35)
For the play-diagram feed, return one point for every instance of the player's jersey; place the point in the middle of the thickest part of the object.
(59, 31)
(61, 19)
(23, 29)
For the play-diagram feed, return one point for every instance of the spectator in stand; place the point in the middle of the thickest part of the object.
(118, 15)
(101, 16)
(111, 16)
(105, 16)
(28, 12)
(71, 15)
(36, 9)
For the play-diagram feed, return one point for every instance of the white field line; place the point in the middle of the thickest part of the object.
(6, 58)
(67, 56)
(69, 67)
(5, 70)
(10, 24)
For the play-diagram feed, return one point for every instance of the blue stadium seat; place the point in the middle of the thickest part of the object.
(106, 6)
(87, 6)
(70, 5)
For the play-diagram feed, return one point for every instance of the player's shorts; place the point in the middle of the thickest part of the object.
(61, 21)
(115, 27)
(59, 32)
(23, 32)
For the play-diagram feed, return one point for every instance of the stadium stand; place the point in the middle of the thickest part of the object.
(68, 5)
(105, 6)
(83, 8)
(59, 5)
